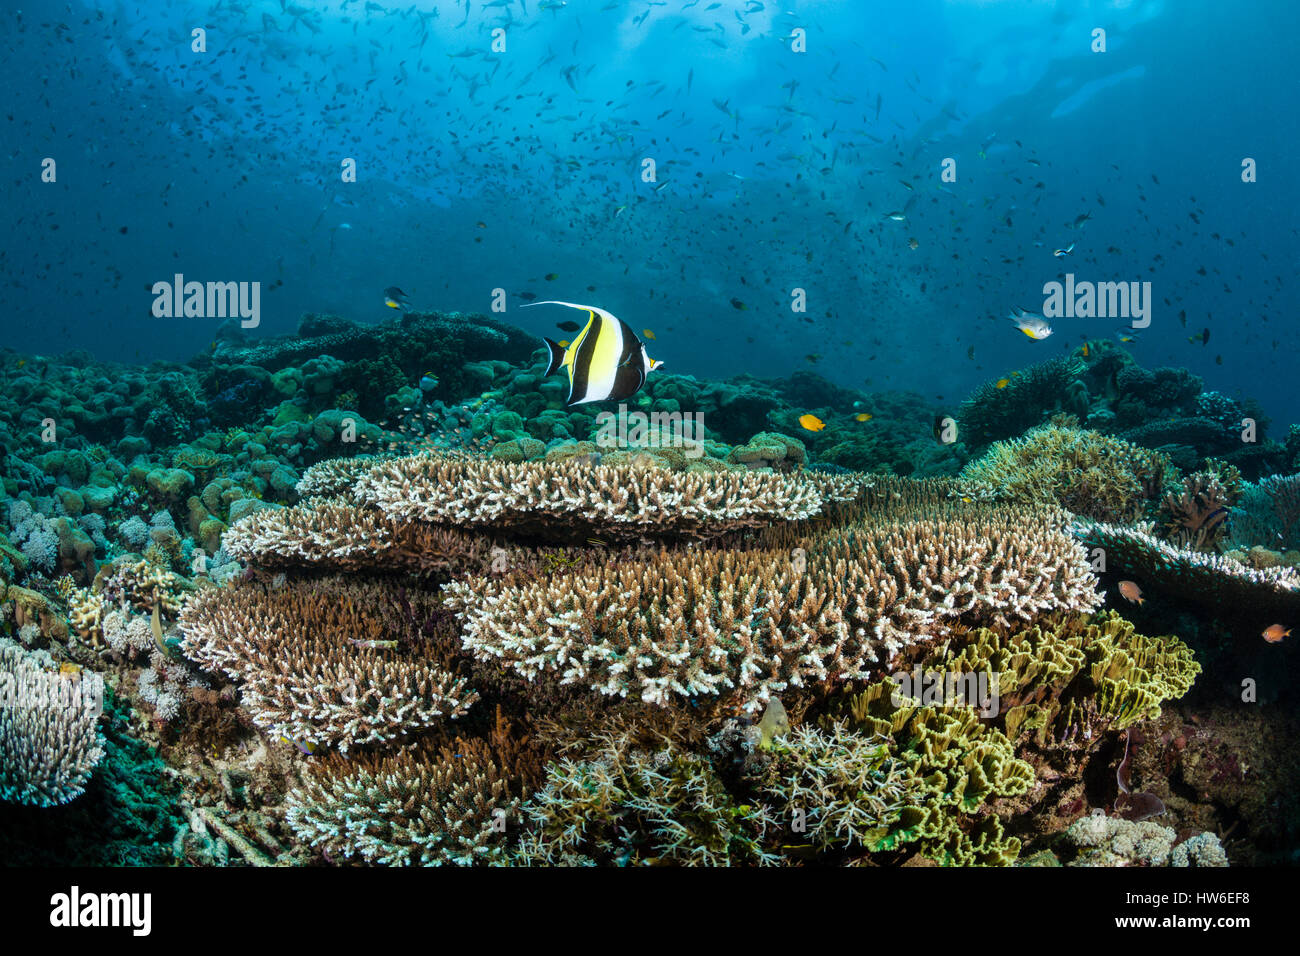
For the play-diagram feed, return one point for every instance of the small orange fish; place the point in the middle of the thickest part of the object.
(1275, 632)
(1002, 383)
(864, 416)
(648, 334)
(812, 423)
(1084, 350)
(1131, 592)
(564, 343)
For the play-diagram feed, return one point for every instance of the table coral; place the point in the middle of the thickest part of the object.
(334, 662)
(1210, 580)
(561, 501)
(748, 623)
(335, 536)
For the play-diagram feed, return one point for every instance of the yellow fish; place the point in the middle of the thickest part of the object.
(812, 423)
(863, 416)
(774, 723)
(307, 749)
(648, 334)
(155, 624)
(1002, 383)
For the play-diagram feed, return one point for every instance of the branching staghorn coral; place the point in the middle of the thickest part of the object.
(746, 624)
(564, 502)
(48, 741)
(335, 536)
(336, 661)
(626, 804)
(846, 789)
(1206, 579)
(1084, 472)
(452, 806)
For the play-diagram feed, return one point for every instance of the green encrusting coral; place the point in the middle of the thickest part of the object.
(957, 765)
(1075, 675)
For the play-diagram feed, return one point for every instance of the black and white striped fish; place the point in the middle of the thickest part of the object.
(605, 361)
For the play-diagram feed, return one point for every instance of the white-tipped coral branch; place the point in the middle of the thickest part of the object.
(561, 501)
(332, 662)
(335, 536)
(746, 624)
(48, 741)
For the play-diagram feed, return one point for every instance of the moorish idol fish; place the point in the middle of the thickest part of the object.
(605, 361)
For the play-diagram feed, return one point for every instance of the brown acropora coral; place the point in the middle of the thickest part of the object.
(415, 808)
(335, 661)
(746, 623)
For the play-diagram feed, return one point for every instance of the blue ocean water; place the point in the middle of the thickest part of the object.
(776, 160)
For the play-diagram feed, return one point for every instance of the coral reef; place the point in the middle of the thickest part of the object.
(365, 534)
(336, 536)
